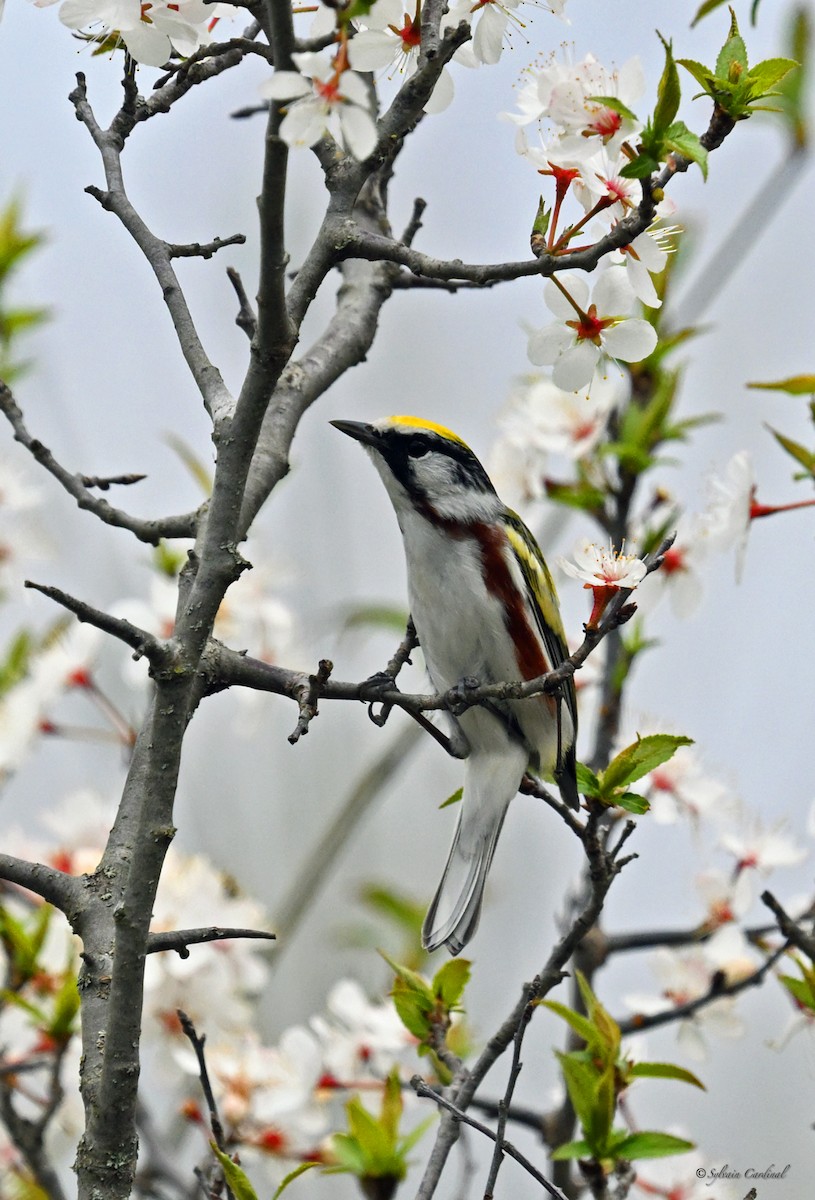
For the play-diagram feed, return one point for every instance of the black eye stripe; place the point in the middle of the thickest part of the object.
(419, 446)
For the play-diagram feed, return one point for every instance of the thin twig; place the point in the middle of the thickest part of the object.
(205, 249)
(144, 644)
(717, 991)
(180, 940)
(203, 1074)
(78, 486)
(505, 1102)
(246, 318)
(307, 699)
(423, 1090)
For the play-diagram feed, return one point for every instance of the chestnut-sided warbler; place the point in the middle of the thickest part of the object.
(484, 607)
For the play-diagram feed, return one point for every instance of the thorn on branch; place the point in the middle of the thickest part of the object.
(180, 940)
(251, 110)
(246, 319)
(307, 697)
(104, 198)
(105, 482)
(205, 250)
(415, 223)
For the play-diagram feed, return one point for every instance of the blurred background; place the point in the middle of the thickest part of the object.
(108, 390)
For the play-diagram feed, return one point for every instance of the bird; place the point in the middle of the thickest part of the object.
(485, 608)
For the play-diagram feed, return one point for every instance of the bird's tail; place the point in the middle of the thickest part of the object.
(491, 780)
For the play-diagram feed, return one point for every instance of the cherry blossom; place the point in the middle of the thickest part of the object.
(682, 787)
(359, 1038)
(761, 849)
(563, 94)
(326, 100)
(587, 331)
(151, 32)
(541, 419)
(686, 975)
(392, 39)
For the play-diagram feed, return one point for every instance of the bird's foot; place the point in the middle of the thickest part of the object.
(458, 696)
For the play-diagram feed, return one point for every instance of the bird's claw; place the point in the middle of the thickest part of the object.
(458, 698)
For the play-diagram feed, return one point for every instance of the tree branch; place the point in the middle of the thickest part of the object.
(423, 1089)
(159, 654)
(180, 940)
(109, 143)
(78, 485)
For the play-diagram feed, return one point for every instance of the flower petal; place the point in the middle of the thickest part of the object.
(630, 340)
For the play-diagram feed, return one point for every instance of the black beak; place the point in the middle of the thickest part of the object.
(360, 431)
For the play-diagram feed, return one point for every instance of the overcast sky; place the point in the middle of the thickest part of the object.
(109, 385)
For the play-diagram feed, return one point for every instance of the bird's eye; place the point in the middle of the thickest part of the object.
(418, 446)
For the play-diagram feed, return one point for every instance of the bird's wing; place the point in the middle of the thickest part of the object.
(543, 600)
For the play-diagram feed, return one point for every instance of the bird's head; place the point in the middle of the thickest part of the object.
(428, 468)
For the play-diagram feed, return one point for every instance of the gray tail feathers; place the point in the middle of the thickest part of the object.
(453, 917)
(566, 779)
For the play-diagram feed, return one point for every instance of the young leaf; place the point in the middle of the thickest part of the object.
(615, 104)
(668, 93)
(587, 782)
(580, 1149)
(292, 1175)
(580, 1024)
(450, 981)
(800, 453)
(632, 803)
(454, 799)
(794, 385)
(707, 7)
(658, 1070)
(647, 1144)
(732, 61)
(640, 757)
(236, 1178)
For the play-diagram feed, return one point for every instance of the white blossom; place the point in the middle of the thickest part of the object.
(585, 331)
(324, 100)
(601, 567)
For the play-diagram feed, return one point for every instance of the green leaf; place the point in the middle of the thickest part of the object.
(587, 782)
(348, 1153)
(640, 167)
(576, 495)
(659, 1070)
(300, 1169)
(668, 93)
(702, 74)
(647, 1144)
(640, 758)
(412, 1009)
(580, 1024)
(732, 61)
(454, 799)
(391, 1113)
(236, 1178)
(765, 75)
(615, 104)
(15, 665)
(412, 979)
(581, 1083)
(450, 981)
(410, 1139)
(683, 141)
(707, 7)
(540, 225)
(632, 803)
(793, 385)
(800, 453)
(800, 990)
(580, 1149)
(200, 473)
